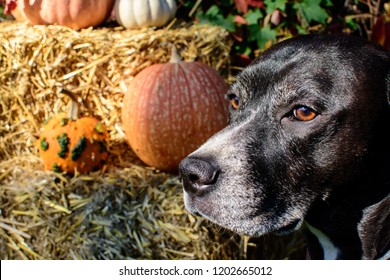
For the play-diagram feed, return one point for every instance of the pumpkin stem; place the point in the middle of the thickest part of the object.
(175, 57)
(74, 105)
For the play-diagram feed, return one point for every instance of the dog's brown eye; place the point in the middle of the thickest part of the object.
(304, 114)
(235, 101)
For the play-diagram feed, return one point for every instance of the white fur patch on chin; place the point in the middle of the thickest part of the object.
(331, 252)
(189, 204)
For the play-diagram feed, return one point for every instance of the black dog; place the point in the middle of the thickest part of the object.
(307, 140)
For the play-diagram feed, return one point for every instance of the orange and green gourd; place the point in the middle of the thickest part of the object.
(69, 142)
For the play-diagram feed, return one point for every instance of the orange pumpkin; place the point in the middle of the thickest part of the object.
(170, 109)
(75, 14)
(67, 143)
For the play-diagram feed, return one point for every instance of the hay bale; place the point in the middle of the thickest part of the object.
(127, 211)
(130, 212)
(92, 63)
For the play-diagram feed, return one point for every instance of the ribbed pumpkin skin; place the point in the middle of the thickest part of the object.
(135, 14)
(170, 109)
(91, 155)
(75, 14)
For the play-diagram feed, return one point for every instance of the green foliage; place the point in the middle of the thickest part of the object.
(272, 5)
(214, 16)
(253, 17)
(311, 10)
(2, 16)
(261, 35)
(257, 24)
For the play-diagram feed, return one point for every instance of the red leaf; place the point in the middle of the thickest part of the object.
(256, 3)
(242, 5)
(10, 5)
(240, 19)
(381, 32)
(237, 37)
(241, 60)
(378, 31)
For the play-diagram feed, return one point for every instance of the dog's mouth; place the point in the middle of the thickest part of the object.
(242, 225)
(296, 224)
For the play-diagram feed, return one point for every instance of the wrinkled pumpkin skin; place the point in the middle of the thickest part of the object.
(66, 145)
(170, 109)
(75, 14)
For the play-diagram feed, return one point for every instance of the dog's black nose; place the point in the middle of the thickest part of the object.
(198, 175)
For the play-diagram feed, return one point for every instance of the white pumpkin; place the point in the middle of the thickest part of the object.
(134, 14)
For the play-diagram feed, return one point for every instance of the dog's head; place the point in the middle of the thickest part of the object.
(305, 118)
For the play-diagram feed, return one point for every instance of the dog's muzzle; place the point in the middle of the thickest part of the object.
(198, 175)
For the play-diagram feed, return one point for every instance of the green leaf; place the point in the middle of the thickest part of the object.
(242, 48)
(261, 35)
(253, 16)
(247, 51)
(214, 16)
(300, 29)
(227, 3)
(328, 3)
(351, 23)
(266, 34)
(254, 31)
(272, 5)
(213, 11)
(189, 3)
(312, 10)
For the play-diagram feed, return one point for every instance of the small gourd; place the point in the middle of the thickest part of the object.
(69, 142)
(135, 14)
